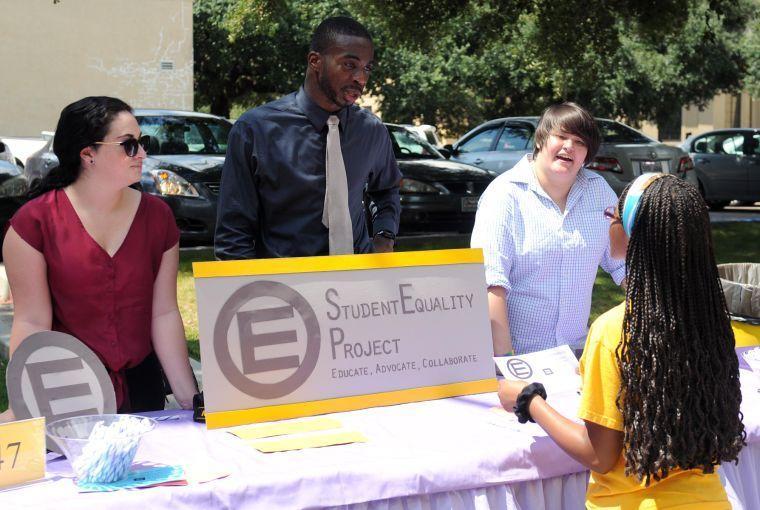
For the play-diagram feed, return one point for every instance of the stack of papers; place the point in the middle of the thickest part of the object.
(296, 434)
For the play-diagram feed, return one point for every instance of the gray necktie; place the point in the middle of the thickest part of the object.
(335, 215)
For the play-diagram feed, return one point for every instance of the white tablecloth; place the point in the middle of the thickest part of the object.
(452, 453)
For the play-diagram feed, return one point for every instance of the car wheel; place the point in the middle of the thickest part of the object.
(714, 205)
(717, 205)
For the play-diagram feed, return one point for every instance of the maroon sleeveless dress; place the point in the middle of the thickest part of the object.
(106, 302)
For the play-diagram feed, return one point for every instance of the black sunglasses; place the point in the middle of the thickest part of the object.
(131, 145)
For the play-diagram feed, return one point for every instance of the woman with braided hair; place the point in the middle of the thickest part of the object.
(660, 399)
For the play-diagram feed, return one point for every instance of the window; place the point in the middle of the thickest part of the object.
(514, 138)
(480, 142)
(614, 132)
(185, 135)
(406, 144)
(754, 145)
(721, 143)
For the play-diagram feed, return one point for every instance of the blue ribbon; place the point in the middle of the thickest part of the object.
(633, 199)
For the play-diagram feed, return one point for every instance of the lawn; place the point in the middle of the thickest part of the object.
(734, 242)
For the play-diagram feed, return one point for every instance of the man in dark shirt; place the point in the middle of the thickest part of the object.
(272, 195)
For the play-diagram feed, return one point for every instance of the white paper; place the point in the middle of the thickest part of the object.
(556, 369)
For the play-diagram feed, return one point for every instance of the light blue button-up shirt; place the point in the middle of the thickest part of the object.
(546, 259)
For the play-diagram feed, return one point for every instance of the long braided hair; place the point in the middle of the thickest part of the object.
(679, 393)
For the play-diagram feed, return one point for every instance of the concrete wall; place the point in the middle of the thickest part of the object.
(55, 53)
(724, 111)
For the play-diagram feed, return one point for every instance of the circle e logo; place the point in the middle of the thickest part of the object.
(249, 364)
(519, 368)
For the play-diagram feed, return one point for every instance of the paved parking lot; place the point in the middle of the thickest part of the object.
(744, 213)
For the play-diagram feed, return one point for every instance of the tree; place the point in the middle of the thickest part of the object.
(455, 63)
(752, 53)
(246, 51)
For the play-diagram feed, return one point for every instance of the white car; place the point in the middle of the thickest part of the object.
(425, 131)
(13, 186)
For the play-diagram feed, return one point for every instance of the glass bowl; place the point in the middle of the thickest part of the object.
(100, 447)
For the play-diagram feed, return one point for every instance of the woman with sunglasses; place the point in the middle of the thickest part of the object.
(92, 257)
(660, 396)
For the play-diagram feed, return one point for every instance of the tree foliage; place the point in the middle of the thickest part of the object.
(455, 63)
(752, 52)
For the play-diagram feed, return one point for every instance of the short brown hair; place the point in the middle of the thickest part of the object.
(570, 118)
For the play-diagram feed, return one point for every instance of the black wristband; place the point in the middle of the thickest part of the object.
(523, 401)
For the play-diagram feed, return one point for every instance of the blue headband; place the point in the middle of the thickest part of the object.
(633, 199)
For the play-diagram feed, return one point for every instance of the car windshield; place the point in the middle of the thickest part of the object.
(185, 135)
(614, 132)
(408, 145)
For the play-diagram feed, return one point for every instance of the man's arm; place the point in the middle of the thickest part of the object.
(383, 190)
(497, 312)
(492, 233)
(237, 212)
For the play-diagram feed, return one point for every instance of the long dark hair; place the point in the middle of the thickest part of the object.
(679, 392)
(80, 125)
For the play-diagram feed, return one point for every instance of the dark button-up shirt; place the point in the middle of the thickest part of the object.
(273, 182)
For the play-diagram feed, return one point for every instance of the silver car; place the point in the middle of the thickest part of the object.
(13, 186)
(39, 163)
(727, 165)
(624, 154)
(184, 165)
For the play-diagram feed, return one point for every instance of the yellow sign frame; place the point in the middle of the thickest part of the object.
(336, 263)
(296, 265)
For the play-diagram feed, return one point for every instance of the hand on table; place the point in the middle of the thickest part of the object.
(382, 244)
(508, 392)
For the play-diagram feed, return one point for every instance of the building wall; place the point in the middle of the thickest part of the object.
(724, 111)
(55, 53)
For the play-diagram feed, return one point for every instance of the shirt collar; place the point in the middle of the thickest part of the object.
(523, 173)
(316, 115)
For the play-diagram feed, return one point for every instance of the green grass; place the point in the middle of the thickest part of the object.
(734, 242)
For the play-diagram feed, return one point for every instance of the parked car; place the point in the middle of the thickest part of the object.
(727, 163)
(436, 194)
(184, 165)
(5, 153)
(39, 163)
(624, 154)
(13, 186)
(426, 132)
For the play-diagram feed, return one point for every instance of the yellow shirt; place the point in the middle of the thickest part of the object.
(746, 335)
(613, 490)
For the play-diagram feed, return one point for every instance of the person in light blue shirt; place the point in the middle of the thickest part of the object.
(543, 232)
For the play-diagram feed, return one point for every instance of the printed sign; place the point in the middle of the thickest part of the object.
(22, 451)
(54, 375)
(282, 338)
(556, 369)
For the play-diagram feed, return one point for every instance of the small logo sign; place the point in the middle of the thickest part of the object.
(242, 371)
(519, 368)
(54, 375)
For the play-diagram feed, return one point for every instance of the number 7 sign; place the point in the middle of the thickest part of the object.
(22, 451)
